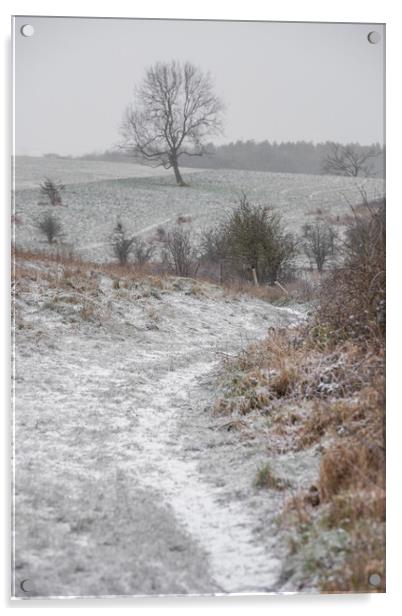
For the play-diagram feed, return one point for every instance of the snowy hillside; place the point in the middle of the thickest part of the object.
(112, 381)
(97, 193)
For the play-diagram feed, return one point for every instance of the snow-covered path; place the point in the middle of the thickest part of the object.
(123, 486)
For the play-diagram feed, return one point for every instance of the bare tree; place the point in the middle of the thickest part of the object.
(319, 243)
(175, 109)
(348, 160)
(179, 253)
(52, 191)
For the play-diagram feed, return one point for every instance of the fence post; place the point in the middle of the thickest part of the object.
(254, 276)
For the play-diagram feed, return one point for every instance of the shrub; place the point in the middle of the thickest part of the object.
(161, 234)
(180, 254)
(142, 251)
(50, 226)
(353, 297)
(253, 238)
(122, 245)
(266, 478)
(323, 385)
(52, 191)
(318, 243)
(213, 245)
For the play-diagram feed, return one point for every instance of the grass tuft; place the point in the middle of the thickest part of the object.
(266, 478)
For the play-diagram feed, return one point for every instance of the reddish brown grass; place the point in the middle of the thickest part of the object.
(319, 390)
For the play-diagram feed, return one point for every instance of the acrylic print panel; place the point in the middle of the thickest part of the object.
(199, 307)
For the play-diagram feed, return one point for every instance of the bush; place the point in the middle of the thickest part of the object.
(323, 385)
(179, 253)
(253, 238)
(50, 226)
(122, 245)
(319, 243)
(142, 251)
(161, 234)
(213, 245)
(353, 297)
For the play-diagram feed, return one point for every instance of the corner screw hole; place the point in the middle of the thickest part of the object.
(375, 579)
(373, 37)
(27, 30)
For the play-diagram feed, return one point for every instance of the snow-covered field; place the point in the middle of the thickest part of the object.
(125, 482)
(98, 192)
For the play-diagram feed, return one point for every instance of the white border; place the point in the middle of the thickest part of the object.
(287, 10)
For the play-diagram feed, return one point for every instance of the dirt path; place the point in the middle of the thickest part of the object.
(124, 483)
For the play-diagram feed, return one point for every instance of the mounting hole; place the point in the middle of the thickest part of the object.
(375, 579)
(27, 30)
(373, 37)
(26, 585)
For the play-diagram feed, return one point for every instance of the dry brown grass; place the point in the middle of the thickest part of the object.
(347, 466)
(349, 423)
(45, 257)
(264, 292)
(340, 219)
(299, 290)
(365, 558)
(321, 385)
(301, 365)
(319, 390)
(75, 265)
(63, 272)
(352, 506)
(243, 404)
(87, 311)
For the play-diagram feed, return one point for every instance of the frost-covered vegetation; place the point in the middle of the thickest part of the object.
(130, 365)
(113, 491)
(322, 385)
(96, 193)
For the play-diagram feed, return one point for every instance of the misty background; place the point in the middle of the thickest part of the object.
(288, 87)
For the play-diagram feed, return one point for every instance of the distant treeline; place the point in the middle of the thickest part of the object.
(288, 157)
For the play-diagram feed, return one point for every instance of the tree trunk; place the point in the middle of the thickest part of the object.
(179, 179)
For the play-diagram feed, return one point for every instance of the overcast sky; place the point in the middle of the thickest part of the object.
(280, 81)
